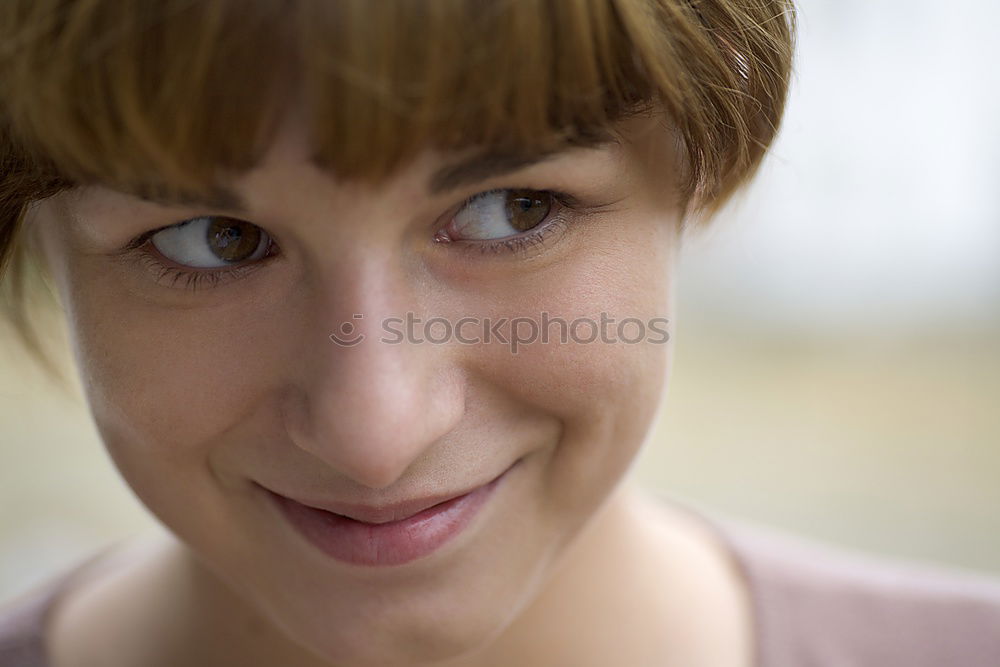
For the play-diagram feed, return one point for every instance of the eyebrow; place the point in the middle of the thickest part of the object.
(219, 198)
(480, 168)
(468, 171)
(488, 165)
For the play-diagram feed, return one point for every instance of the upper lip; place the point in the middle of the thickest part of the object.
(382, 512)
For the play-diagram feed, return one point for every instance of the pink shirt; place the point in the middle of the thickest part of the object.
(814, 606)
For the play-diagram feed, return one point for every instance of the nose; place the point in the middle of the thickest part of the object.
(370, 405)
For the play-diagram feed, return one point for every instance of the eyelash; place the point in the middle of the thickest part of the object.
(522, 243)
(194, 279)
(140, 248)
(169, 274)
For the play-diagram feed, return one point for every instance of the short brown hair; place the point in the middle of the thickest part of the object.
(176, 95)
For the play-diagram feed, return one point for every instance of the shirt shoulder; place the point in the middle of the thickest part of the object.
(22, 625)
(24, 619)
(817, 605)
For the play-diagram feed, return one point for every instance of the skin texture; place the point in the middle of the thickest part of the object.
(202, 395)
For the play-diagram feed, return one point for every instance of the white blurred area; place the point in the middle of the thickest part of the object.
(879, 208)
(837, 361)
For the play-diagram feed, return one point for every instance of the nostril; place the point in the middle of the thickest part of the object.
(370, 412)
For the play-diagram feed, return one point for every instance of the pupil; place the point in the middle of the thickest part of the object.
(233, 240)
(231, 234)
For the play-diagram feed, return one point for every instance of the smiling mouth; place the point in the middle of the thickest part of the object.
(382, 514)
(386, 535)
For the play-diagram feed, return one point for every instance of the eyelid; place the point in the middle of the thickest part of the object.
(569, 208)
(144, 252)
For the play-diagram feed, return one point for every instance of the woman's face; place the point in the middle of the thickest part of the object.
(224, 364)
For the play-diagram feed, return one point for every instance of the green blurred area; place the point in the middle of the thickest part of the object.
(887, 444)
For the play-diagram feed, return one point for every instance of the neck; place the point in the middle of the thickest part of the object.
(641, 570)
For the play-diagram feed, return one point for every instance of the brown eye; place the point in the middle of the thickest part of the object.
(233, 240)
(212, 242)
(498, 214)
(527, 208)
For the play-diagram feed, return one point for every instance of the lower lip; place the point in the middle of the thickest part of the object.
(390, 543)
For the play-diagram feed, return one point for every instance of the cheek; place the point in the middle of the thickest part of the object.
(164, 378)
(166, 386)
(590, 361)
(601, 385)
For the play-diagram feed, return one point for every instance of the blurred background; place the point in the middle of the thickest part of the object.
(837, 361)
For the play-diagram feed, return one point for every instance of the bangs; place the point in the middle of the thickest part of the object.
(178, 97)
